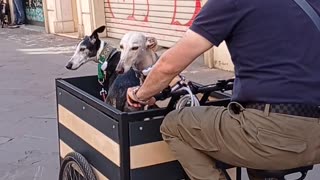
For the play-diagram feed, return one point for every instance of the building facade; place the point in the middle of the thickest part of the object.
(166, 20)
(34, 12)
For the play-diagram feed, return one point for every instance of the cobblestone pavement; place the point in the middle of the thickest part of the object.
(29, 63)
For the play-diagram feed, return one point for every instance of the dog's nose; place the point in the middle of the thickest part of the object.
(120, 71)
(69, 66)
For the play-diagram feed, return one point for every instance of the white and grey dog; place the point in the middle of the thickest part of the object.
(137, 52)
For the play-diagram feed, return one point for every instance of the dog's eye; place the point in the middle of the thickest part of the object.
(134, 48)
(82, 49)
(121, 47)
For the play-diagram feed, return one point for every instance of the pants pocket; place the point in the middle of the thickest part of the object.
(281, 141)
(202, 141)
(199, 128)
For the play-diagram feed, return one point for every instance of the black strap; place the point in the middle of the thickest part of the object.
(310, 12)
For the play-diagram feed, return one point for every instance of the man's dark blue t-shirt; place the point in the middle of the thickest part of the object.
(274, 46)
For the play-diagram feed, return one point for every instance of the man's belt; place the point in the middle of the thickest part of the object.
(290, 109)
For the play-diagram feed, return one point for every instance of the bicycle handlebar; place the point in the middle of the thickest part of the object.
(221, 85)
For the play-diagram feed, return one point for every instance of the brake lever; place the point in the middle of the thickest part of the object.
(223, 84)
(164, 94)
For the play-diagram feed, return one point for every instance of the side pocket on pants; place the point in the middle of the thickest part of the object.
(201, 132)
(202, 139)
(281, 141)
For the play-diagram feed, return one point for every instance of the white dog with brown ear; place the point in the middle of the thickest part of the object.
(137, 52)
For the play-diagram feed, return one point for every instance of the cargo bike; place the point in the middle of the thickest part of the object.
(99, 142)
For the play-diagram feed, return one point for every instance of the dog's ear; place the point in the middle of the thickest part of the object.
(152, 43)
(100, 29)
(94, 36)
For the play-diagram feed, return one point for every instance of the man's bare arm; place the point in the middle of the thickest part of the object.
(172, 62)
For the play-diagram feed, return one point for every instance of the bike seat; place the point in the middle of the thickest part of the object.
(222, 165)
(280, 174)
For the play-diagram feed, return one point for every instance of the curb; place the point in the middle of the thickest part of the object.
(33, 28)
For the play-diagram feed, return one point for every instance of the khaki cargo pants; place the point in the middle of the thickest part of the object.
(254, 139)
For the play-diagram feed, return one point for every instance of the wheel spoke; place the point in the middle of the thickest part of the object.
(70, 172)
(74, 173)
(80, 177)
(64, 174)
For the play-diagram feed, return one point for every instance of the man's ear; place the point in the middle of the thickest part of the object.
(152, 43)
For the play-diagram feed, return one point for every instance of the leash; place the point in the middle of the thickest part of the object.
(103, 64)
(105, 55)
(144, 73)
(103, 93)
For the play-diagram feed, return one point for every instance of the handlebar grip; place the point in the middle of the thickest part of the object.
(164, 94)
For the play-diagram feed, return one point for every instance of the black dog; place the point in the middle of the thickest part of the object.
(118, 91)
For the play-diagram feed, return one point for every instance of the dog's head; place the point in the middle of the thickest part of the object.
(87, 50)
(137, 51)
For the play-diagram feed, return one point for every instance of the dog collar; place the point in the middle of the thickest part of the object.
(105, 54)
(102, 44)
(147, 70)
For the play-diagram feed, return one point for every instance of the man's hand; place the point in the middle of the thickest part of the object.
(132, 101)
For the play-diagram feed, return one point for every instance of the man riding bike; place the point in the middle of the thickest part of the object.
(273, 120)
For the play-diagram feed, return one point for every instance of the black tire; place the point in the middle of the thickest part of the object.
(75, 167)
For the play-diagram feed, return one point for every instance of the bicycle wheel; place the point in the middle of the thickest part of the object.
(75, 167)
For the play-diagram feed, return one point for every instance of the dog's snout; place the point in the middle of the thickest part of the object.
(120, 70)
(69, 66)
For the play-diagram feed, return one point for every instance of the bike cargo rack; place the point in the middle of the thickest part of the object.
(118, 145)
